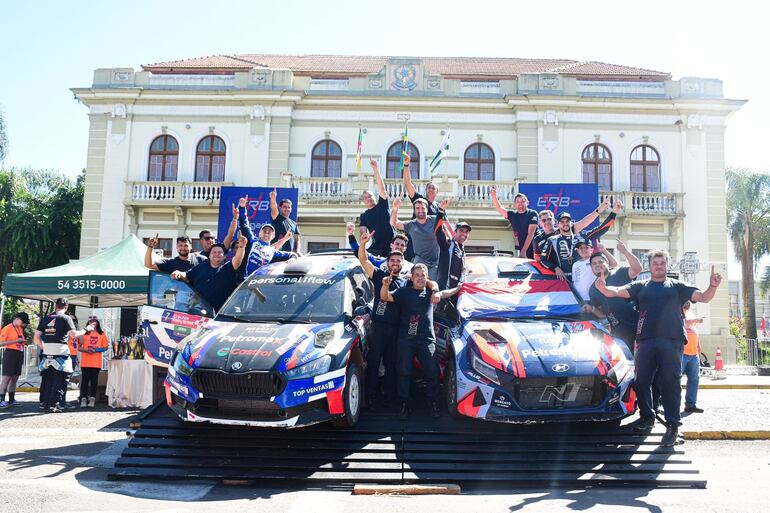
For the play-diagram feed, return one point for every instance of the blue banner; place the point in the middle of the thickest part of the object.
(257, 207)
(579, 199)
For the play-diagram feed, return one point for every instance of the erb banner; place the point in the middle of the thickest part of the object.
(579, 199)
(257, 207)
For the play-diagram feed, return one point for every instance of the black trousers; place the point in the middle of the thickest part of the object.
(382, 347)
(53, 388)
(89, 378)
(424, 349)
(658, 364)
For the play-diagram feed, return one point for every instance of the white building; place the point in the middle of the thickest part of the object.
(163, 140)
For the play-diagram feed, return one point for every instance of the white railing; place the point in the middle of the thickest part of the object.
(480, 190)
(396, 188)
(649, 203)
(174, 192)
(322, 189)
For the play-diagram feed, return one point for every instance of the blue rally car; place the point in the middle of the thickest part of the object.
(286, 349)
(517, 349)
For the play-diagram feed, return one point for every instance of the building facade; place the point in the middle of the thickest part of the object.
(163, 141)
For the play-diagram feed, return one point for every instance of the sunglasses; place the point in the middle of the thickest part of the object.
(209, 238)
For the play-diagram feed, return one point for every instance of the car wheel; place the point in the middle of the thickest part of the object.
(450, 386)
(351, 396)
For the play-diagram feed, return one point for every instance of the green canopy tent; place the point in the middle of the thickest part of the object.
(111, 278)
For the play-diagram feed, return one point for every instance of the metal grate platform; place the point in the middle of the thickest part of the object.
(382, 449)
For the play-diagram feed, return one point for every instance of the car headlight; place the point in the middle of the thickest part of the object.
(318, 366)
(483, 367)
(618, 373)
(322, 339)
(180, 365)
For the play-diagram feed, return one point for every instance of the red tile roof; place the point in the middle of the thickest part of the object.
(450, 67)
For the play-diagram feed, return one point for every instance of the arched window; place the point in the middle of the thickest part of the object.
(326, 160)
(597, 166)
(392, 168)
(164, 157)
(210, 160)
(645, 169)
(479, 162)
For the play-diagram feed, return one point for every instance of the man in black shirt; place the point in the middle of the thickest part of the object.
(383, 331)
(547, 227)
(376, 217)
(621, 313)
(51, 335)
(451, 263)
(523, 222)
(215, 279)
(415, 334)
(282, 222)
(660, 337)
(207, 240)
(184, 261)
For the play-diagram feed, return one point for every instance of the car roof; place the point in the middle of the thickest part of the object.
(323, 264)
(491, 265)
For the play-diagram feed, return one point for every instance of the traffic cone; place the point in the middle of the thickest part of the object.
(719, 365)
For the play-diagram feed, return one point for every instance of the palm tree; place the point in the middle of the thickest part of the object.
(3, 138)
(748, 225)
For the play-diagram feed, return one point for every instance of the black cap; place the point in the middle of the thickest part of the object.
(463, 224)
(23, 316)
(563, 215)
(62, 302)
(582, 240)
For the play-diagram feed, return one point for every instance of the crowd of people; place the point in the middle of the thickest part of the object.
(414, 264)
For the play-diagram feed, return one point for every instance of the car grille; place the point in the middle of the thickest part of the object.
(216, 383)
(552, 393)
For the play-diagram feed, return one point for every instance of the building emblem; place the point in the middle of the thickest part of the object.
(405, 77)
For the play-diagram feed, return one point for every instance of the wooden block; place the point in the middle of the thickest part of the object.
(434, 489)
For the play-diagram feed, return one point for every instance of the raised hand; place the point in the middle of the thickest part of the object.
(366, 237)
(716, 279)
(235, 211)
(375, 166)
(493, 191)
(274, 193)
(599, 247)
(153, 242)
(243, 201)
(386, 281)
(444, 203)
(397, 203)
(600, 283)
(618, 206)
(407, 160)
(350, 228)
(621, 246)
(242, 241)
(605, 204)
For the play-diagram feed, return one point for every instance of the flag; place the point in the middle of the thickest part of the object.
(404, 148)
(440, 154)
(359, 149)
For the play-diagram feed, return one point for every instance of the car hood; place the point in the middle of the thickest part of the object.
(544, 348)
(241, 347)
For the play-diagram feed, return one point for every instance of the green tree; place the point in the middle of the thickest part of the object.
(748, 225)
(40, 217)
(3, 138)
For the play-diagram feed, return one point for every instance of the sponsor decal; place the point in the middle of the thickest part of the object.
(248, 338)
(502, 401)
(236, 365)
(560, 367)
(180, 319)
(289, 280)
(182, 330)
(414, 321)
(566, 393)
(164, 353)
(315, 389)
(236, 351)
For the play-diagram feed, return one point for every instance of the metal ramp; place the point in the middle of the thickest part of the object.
(381, 449)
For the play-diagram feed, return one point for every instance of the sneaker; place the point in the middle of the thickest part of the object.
(14, 403)
(643, 424)
(43, 406)
(693, 409)
(435, 411)
(83, 402)
(4, 404)
(92, 402)
(669, 438)
(403, 414)
(56, 409)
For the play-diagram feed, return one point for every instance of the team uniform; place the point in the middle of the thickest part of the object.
(377, 219)
(91, 363)
(520, 223)
(282, 226)
(561, 250)
(55, 364)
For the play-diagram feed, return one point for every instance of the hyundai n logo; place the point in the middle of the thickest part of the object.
(566, 393)
(560, 367)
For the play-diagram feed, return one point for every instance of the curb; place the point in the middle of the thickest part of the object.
(726, 435)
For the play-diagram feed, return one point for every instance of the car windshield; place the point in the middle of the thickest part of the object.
(288, 298)
(516, 294)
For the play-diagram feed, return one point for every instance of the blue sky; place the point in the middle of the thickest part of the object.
(56, 45)
(51, 46)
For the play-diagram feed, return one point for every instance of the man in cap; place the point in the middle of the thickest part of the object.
(259, 251)
(184, 261)
(52, 335)
(399, 243)
(451, 263)
(547, 228)
(561, 249)
(12, 339)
